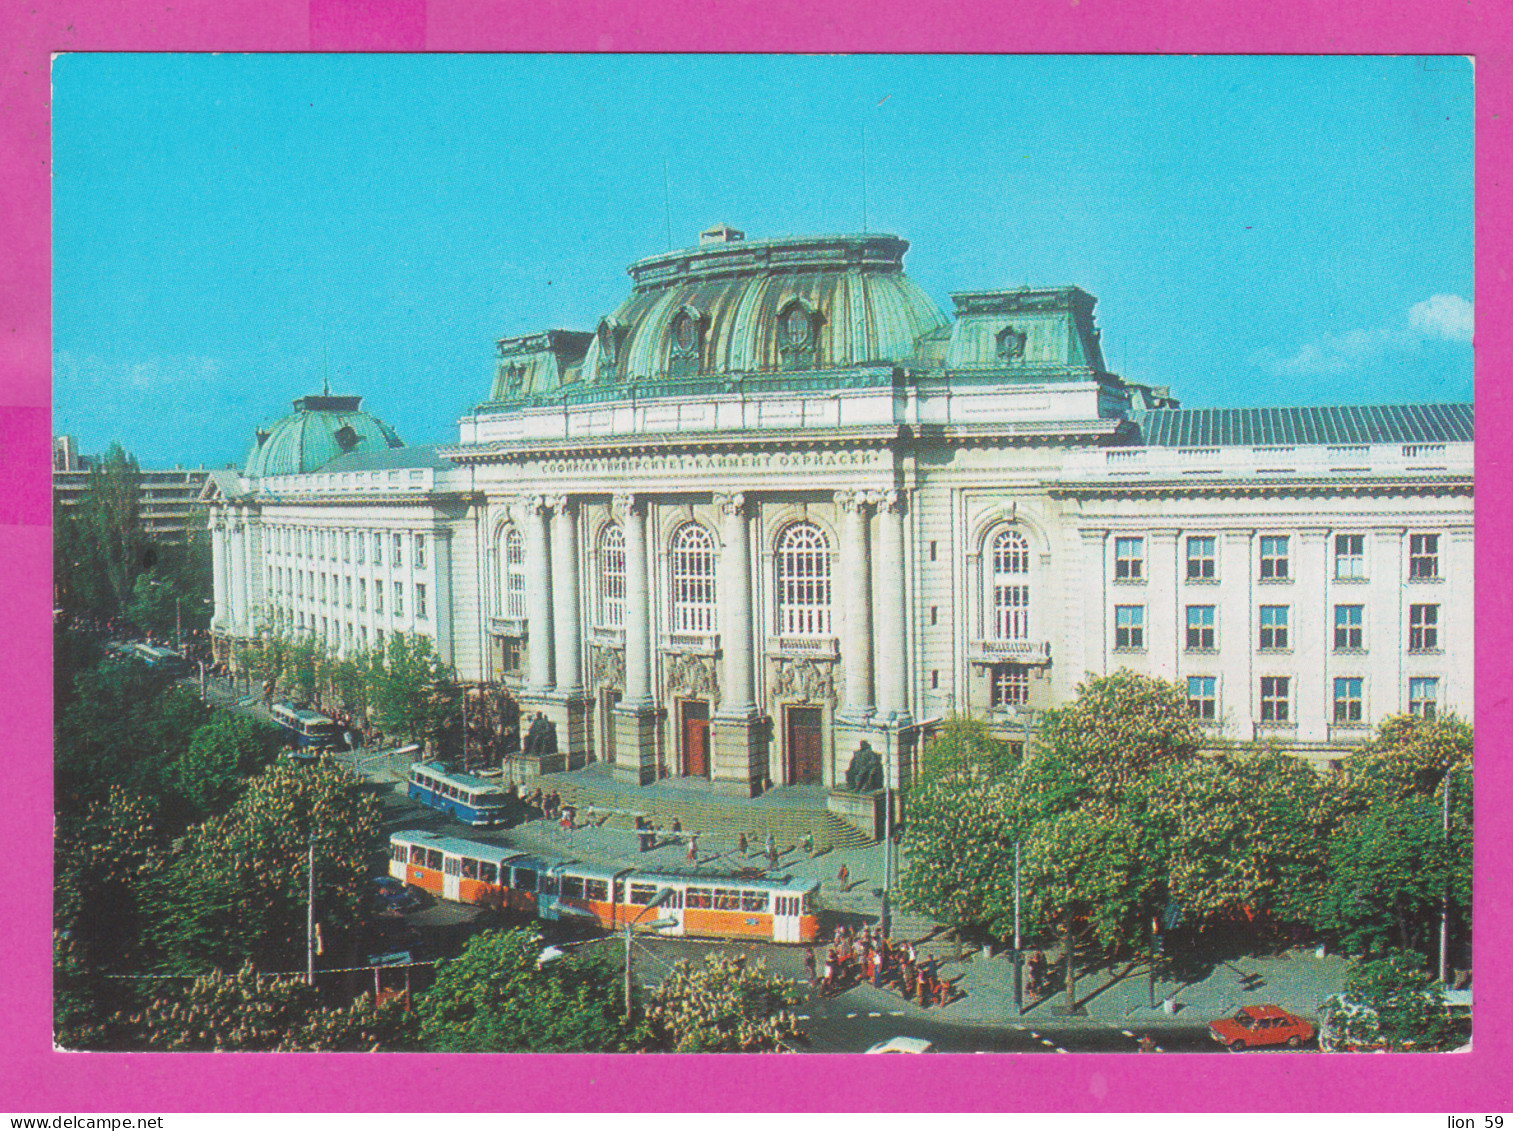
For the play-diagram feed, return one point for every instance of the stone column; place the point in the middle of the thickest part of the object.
(739, 692)
(218, 570)
(637, 605)
(892, 658)
(236, 622)
(538, 593)
(565, 605)
(856, 648)
(441, 596)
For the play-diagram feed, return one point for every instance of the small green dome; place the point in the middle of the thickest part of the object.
(320, 429)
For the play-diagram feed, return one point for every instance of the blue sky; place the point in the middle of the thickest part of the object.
(227, 228)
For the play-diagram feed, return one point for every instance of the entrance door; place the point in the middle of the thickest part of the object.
(785, 918)
(805, 762)
(451, 878)
(695, 738)
(607, 700)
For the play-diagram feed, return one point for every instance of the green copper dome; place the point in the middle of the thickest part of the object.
(320, 429)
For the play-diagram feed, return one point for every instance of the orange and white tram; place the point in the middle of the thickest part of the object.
(703, 904)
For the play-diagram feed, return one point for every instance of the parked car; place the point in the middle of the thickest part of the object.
(902, 1044)
(391, 895)
(1259, 1026)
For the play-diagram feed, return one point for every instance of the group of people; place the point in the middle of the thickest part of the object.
(869, 956)
(549, 805)
(1037, 967)
(769, 848)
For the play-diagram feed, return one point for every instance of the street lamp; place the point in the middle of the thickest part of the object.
(656, 901)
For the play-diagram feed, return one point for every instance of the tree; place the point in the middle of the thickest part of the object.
(959, 842)
(110, 522)
(723, 1005)
(1408, 757)
(1391, 1002)
(220, 756)
(252, 1012)
(497, 996)
(414, 691)
(964, 748)
(236, 889)
(101, 860)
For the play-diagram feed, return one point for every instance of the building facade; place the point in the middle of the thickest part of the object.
(777, 505)
(169, 499)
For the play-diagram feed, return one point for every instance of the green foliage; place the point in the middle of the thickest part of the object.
(959, 841)
(723, 1005)
(221, 754)
(102, 858)
(413, 691)
(237, 888)
(1407, 757)
(249, 1012)
(1391, 1002)
(498, 997)
(110, 526)
(965, 748)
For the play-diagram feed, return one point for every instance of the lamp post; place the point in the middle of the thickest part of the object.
(1018, 954)
(887, 915)
(656, 901)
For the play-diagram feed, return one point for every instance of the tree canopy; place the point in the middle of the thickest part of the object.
(723, 1005)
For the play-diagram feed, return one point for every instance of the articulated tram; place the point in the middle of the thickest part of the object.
(702, 904)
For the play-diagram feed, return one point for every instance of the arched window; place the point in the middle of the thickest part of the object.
(1010, 586)
(612, 577)
(693, 580)
(796, 339)
(803, 575)
(683, 349)
(514, 575)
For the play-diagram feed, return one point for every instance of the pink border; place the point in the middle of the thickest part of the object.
(43, 1081)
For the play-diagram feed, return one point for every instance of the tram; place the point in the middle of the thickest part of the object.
(697, 904)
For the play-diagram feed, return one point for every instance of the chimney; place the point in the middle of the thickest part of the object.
(720, 233)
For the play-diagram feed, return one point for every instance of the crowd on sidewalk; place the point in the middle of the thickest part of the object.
(871, 956)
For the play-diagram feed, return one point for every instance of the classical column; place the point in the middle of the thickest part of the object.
(237, 540)
(739, 692)
(538, 592)
(637, 605)
(892, 665)
(218, 570)
(565, 608)
(856, 649)
(441, 595)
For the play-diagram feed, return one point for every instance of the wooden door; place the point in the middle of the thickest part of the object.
(607, 700)
(805, 760)
(695, 738)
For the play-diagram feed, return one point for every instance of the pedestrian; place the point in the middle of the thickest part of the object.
(809, 964)
(591, 822)
(809, 845)
(843, 877)
(741, 844)
(877, 968)
(693, 848)
(677, 826)
(829, 974)
(772, 848)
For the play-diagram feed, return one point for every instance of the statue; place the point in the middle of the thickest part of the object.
(541, 738)
(865, 774)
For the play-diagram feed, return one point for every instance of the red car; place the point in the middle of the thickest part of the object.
(1256, 1026)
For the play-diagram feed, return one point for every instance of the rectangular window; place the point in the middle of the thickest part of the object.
(1347, 699)
(572, 887)
(1129, 559)
(1423, 697)
(1273, 626)
(399, 554)
(346, 592)
(698, 897)
(1202, 699)
(362, 547)
(642, 894)
(378, 637)
(1129, 626)
(420, 601)
(1423, 628)
(1202, 561)
(322, 589)
(727, 899)
(1274, 558)
(1349, 557)
(1347, 627)
(346, 546)
(1011, 685)
(1200, 628)
(1274, 701)
(754, 901)
(362, 595)
(362, 636)
(378, 549)
(420, 551)
(299, 583)
(1423, 556)
(525, 879)
(488, 872)
(596, 891)
(378, 597)
(399, 599)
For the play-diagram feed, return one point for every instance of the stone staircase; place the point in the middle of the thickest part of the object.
(718, 823)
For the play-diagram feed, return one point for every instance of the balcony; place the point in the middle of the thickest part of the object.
(508, 626)
(694, 643)
(1009, 651)
(804, 647)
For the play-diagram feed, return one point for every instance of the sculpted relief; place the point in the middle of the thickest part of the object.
(804, 680)
(691, 675)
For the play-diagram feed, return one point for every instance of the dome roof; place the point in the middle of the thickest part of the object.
(320, 429)
(731, 307)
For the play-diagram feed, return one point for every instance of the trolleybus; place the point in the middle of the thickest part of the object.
(463, 797)
(701, 904)
(308, 730)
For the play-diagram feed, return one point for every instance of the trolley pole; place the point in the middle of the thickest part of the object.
(310, 918)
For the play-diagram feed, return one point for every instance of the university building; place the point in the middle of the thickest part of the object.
(777, 504)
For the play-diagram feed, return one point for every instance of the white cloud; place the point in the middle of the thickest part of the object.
(1443, 316)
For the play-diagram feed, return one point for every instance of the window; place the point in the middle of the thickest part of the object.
(362, 636)
(323, 589)
(488, 871)
(378, 599)
(1347, 699)
(1274, 558)
(420, 551)
(346, 591)
(1423, 628)
(1274, 704)
(525, 879)
(596, 891)
(1273, 626)
(378, 549)
(1347, 627)
(683, 349)
(362, 595)
(1200, 628)
(399, 599)
(754, 900)
(299, 583)
(378, 636)
(693, 580)
(514, 575)
(611, 577)
(398, 557)
(420, 601)
(803, 577)
(1129, 559)
(346, 546)
(1423, 556)
(642, 894)
(727, 899)
(572, 887)
(1349, 557)
(1423, 697)
(1011, 685)
(1129, 626)
(1202, 563)
(1202, 699)
(362, 547)
(1011, 591)
(796, 337)
(698, 897)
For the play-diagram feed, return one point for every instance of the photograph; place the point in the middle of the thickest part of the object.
(854, 554)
